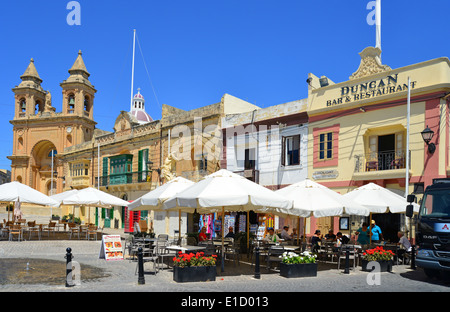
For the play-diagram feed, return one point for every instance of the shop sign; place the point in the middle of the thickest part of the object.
(371, 89)
(325, 174)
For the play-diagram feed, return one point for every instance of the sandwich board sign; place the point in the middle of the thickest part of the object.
(111, 248)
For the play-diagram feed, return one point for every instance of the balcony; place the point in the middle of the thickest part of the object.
(125, 178)
(80, 182)
(382, 165)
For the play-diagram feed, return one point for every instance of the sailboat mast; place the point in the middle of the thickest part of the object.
(132, 69)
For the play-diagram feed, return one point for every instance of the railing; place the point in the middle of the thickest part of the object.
(251, 174)
(125, 178)
(388, 160)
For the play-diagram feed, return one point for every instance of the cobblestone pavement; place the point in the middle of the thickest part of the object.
(236, 278)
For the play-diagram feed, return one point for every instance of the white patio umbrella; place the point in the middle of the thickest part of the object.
(92, 197)
(20, 193)
(379, 199)
(224, 190)
(314, 199)
(61, 196)
(154, 200)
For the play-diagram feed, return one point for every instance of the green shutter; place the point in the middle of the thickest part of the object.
(140, 164)
(105, 172)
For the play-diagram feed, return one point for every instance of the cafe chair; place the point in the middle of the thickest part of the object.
(233, 251)
(33, 229)
(353, 255)
(74, 230)
(273, 255)
(15, 230)
(164, 253)
(91, 231)
(50, 228)
(151, 255)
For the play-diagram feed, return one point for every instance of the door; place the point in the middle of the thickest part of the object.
(324, 224)
(386, 151)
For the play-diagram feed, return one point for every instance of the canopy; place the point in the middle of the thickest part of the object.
(61, 196)
(224, 190)
(227, 190)
(379, 199)
(18, 192)
(95, 198)
(154, 200)
(314, 199)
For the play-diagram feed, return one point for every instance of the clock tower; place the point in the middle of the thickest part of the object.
(40, 134)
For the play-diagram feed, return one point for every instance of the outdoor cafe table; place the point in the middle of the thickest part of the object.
(186, 248)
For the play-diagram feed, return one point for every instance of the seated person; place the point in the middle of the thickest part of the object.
(284, 233)
(405, 245)
(342, 239)
(330, 236)
(202, 236)
(230, 233)
(315, 240)
(271, 236)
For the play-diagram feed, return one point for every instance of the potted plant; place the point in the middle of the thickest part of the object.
(377, 254)
(298, 265)
(194, 267)
(55, 217)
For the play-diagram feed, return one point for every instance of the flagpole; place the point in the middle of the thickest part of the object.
(132, 69)
(378, 24)
(408, 113)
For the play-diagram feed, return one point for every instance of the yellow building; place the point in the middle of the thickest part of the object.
(358, 130)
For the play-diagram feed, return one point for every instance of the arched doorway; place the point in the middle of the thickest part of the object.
(42, 163)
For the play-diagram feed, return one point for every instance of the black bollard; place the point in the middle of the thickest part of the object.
(257, 269)
(69, 280)
(413, 257)
(141, 279)
(347, 261)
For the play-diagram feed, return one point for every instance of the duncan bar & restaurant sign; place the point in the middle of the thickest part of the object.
(371, 89)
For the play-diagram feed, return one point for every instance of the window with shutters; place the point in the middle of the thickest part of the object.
(290, 150)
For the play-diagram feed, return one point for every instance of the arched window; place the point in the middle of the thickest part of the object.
(71, 104)
(23, 105)
(37, 107)
(87, 104)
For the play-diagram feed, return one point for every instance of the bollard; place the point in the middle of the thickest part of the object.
(257, 271)
(141, 279)
(413, 257)
(69, 281)
(347, 261)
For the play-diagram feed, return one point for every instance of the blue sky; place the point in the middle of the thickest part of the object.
(196, 51)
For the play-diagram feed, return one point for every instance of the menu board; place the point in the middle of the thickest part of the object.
(111, 248)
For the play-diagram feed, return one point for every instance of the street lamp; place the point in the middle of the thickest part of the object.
(427, 135)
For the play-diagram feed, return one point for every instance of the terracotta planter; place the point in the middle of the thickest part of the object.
(194, 274)
(298, 270)
(385, 265)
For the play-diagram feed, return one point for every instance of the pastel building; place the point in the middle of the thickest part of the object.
(268, 146)
(358, 131)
